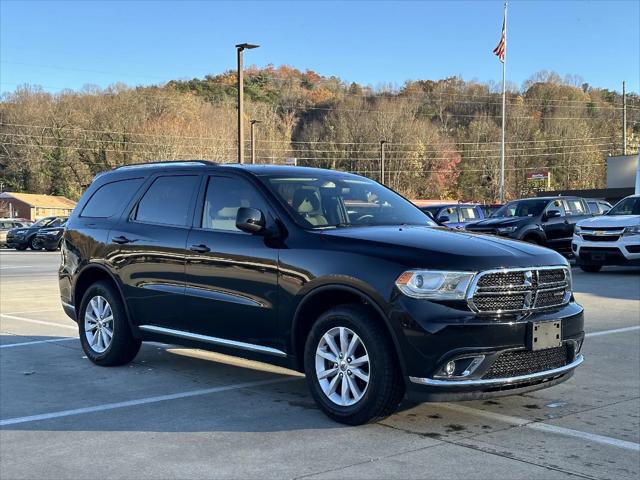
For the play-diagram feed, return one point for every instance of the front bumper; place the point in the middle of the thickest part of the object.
(624, 251)
(49, 242)
(435, 334)
(14, 241)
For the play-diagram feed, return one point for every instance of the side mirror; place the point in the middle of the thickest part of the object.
(250, 220)
(605, 211)
(553, 213)
(443, 219)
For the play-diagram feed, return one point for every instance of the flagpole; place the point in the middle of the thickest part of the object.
(504, 106)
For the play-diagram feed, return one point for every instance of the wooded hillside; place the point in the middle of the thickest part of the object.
(443, 137)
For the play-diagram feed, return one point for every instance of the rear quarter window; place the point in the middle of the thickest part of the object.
(111, 198)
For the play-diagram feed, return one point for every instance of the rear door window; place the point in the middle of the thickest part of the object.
(575, 207)
(168, 201)
(111, 198)
(468, 214)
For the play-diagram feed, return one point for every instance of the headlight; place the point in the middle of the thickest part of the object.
(433, 284)
(507, 229)
(19, 232)
(635, 230)
(577, 230)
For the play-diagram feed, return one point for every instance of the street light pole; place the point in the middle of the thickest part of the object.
(382, 144)
(624, 118)
(253, 140)
(240, 48)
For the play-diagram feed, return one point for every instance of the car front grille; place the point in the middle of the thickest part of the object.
(596, 238)
(520, 290)
(514, 363)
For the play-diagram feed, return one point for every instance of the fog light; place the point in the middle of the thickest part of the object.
(450, 368)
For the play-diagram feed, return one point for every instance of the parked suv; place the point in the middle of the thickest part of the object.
(547, 221)
(50, 238)
(325, 272)
(454, 215)
(23, 238)
(610, 239)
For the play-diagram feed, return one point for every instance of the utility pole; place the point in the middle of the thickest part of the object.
(382, 144)
(253, 140)
(240, 48)
(624, 118)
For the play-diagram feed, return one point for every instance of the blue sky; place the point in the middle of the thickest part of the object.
(70, 44)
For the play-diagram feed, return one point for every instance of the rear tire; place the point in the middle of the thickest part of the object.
(369, 400)
(590, 268)
(105, 334)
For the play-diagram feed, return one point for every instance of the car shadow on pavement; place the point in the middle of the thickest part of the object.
(177, 390)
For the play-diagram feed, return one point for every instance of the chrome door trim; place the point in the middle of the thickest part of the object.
(502, 381)
(223, 342)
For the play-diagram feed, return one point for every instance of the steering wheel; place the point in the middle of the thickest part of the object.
(361, 218)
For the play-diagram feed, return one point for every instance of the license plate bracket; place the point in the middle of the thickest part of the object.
(545, 335)
(598, 257)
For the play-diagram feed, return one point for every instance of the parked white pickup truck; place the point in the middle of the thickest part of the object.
(610, 239)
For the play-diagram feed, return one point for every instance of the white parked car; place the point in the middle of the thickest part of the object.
(610, 239)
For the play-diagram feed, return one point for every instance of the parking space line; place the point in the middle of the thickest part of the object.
(39, 322)
(614, 330)
(35, 342)
(140, 401)
(544, 427)
(17, 266)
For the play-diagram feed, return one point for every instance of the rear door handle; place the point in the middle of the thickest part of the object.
(121, 239)
(200, 248)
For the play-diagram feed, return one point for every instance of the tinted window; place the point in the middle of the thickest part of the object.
(110, 198)
(468, 214)
(628, 206)
(167, 201)
(225, 196)
(594, 208)
(522, 208)
(575, 207)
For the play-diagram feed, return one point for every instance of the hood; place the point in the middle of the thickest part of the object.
(499, 222)
(611, 221)
(433, 247)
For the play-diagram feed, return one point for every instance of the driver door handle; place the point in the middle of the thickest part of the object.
(121, 240)
(200, 248)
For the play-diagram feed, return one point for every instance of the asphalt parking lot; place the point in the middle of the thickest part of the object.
(183, 413)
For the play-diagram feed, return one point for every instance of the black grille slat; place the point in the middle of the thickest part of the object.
(604, 238)
(519, 290)
(525, 362)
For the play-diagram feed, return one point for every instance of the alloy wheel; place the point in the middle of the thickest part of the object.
(342, 366)
(98, 324)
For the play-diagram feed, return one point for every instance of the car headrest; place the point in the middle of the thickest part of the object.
(306, 201)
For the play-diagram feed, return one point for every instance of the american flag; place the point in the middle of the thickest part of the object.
(501, 49)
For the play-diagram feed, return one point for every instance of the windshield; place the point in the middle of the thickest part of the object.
(335, 200)
(43, 222)
(627, 206)
(522, 208)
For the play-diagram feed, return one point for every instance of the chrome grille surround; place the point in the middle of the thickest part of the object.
(519, 290)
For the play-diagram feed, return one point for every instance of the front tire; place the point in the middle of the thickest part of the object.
(590, 268)
(34, 244)
(104, 329)
(351, 366)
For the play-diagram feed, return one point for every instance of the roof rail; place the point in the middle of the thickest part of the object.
(175, 163)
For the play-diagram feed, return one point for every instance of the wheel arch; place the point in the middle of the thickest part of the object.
(91, 274)
(319, 300)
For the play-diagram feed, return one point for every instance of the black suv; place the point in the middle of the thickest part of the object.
(325, 272)
(22, 238)
(547, 221)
